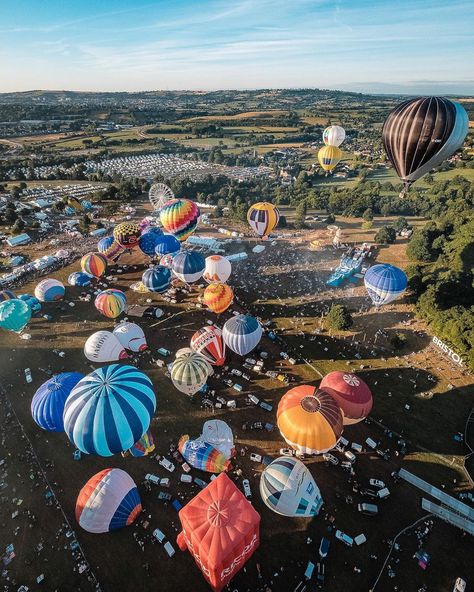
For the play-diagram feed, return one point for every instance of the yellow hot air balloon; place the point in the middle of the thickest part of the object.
(328, 157)
(263, 217)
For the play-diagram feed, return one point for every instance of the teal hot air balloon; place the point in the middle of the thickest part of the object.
(14, 315)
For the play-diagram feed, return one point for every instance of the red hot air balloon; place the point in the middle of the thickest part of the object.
(208, 342)
(351, 393)
(221, 530)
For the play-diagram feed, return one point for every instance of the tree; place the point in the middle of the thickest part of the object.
(400, 224)
(386, 235)
(218, 212)
(367, 225)
(368, 215)
(339, 318)
(282, 223)
(10, 214)
(300, 214)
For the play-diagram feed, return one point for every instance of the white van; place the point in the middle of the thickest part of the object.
(346, 539)
(360, 539)
(350, 456)
(383, 493)
(371, 443)
(356, 447)
(368, 509)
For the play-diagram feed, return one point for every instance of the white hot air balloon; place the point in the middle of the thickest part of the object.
(219, 434)
(131, 336)
(334, 135)
(103, 346)
(218, 269)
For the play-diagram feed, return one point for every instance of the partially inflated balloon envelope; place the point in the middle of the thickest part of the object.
(103, 346)
(144, 446)
(79, 278)
(384, 283)
(14, 315)
(131, 336)
(288, 488)
(111, 303)
(219, 434)
(420, 133)
(50, 290)
(202, 455)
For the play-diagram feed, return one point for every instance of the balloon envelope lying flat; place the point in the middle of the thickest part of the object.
(157, 279)
(351, 393)
(79, 278)
(202, 455)
(208, 342)
(334, 135)
(49, 290)
(103, 346)
(188, 266)
(108, 501)
(420, 133)
(384, 283)
(111, 303)
(47, 405)
(219, 434)
(144, 446)
(109, 410)
(242, 333)
(180, 217)
(218, 269)
(131, 336)
(190, 372)
(14, 314)
(263, 218)
(288, 488)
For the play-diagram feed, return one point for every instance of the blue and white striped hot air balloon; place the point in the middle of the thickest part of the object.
(242, 333)
(157, 278)
(188, 266)
(167, 244)
(384, 283)
(109, 410)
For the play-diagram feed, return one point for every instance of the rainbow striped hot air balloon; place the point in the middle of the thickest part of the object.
(328, 157)
(202, 455)
(47, 405)
(309, 420)
(180, 217)
(218, 297)
(108, 501)
(263, 218)
(111, 303)
(94, 264)
(127, 234)
(14, 315)
(109, 410)
(144, 446)
(50, 290)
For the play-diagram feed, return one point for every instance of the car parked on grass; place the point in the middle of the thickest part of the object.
(287, 452)
(255, 457)
(266, 406)
(161, 538)
(377, 483)
(324, 547)
(247, 490)
(202, 484)
(164, 497)
(331, 459)
(166, 464)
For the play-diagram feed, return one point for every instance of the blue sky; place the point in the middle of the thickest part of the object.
(412, 46)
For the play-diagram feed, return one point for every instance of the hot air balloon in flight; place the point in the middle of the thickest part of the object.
(218, 297)
(334, 135)
(131, 336)
(384, 283)
(242, 333)
(351, 393)
(111, 303)
(47, 405)
(33, 303)
(221, 530)
(144, 446)
(94, 264)
(109, 410)
(219, 434)
(7, 295)
(309, 420)
(180, 217)
(208, 342)
(108, 501)
(148, 242)
(157, 279)
(420, 133)
(126, 234)
(159, 194)
(328, 157)
(202, 455)
(14, 315)
(50, 290)
(263, 218)
(217, 270)
(79, 278)
(288, 488)
(103, 346)
(188, 266)
(189, 372)
(167, 244)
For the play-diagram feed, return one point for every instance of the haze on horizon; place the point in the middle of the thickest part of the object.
(415, 47)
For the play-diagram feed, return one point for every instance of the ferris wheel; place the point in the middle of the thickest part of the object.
(159, 194)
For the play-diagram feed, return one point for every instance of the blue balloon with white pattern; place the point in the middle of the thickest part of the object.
(47, 405)
(188, 266)
(242, 333)
(167, 244)
(148, 242)
(105, 243)
(79, 278)
(157, 278)
(384, 283)
(109, 410)
(14, 315)
(152, 229)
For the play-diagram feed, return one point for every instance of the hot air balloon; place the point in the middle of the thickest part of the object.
(94, 264)
(157, 279)
(79, 278)
(217, 270)
(47, 405)
(202, 455)
(351, 393)
(420, 133)
(180, 217)
(148, 241)
(33, 303)
(144, 446)
(188, 266)
(104, 244)
(242, 333)
(14, 315)
(111, 303)
(159, 194)
(189, 372)
(334, 135)
(167, 244)
(103, 346)
(113, 251)
(151, 228)
(217, 433)
(221, 530)
(218, 297)
(384, 283)
(328, 157)
(131, 336)
(7, 295)
(309, 420)
(109, 410)
(167, 260)
(208, 342)
(126, 234)
(50, 290)
(263, 218)
(108, 501)
(288, 488)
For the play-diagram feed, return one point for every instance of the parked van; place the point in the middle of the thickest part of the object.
(343, 441)
(350, 456)
(163, 352)
(368, 509)
(383, 493)
(346, 539)
(371, 443)
(331, 459)
(356, 447)
(360, 539)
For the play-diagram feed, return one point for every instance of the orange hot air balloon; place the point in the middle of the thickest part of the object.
(218, 297)
(309, 419)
